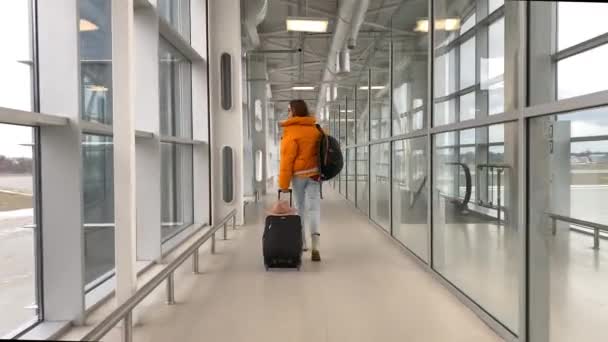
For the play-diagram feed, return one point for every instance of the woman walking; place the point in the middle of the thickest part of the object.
(299, 166)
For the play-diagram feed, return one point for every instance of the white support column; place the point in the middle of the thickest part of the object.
(124, 146)
(147, 119)
(200, 113)
(226, 125)
(61, 162)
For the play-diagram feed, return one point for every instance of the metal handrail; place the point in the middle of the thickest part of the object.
(124, 311)
(593, 225)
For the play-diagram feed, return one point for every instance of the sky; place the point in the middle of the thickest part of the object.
(15, 77)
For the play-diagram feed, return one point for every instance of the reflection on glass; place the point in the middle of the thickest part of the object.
(380, 191)
(98, 196)
(96, 60)
(409, 68)
(17, 234)
(363, 108)
(467, 63)
(175, 92)
(342, 175)
(467, 106)
(568, 265)
(350, 170)
(16, 57)
(350, 118)
(410, 180)
(380, 92)
(475, 232)
(176, 13)
(176, 189)
(363, 179)
(577, 75)
(469, 57)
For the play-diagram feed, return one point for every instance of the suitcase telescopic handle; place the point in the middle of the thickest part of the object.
(290, 196)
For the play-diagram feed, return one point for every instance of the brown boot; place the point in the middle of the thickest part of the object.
(315, 255)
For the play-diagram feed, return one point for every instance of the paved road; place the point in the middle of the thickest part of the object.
(19, 183)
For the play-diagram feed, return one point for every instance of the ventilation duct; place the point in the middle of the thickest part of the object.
(255, 13)
(343, 62)
(358, 18)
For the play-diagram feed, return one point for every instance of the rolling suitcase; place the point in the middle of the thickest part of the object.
(282, 240)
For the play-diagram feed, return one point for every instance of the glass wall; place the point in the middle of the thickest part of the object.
(177, 14)
(410, 195)
(363, 179)
(175, 92)
(362, 108)
(18, 252)
(469, 60)
(475, 231)
(176, 189)
(380, 102)
(351, 193)
(98, 206)
(410, 69)
(568, 225)
(16, 59)
(95, 35)
(380, 184)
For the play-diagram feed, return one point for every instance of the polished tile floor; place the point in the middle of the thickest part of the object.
(366, 289)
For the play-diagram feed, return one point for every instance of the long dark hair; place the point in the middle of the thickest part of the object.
(299, 108)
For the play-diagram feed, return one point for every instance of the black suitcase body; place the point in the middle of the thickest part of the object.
(282, 241)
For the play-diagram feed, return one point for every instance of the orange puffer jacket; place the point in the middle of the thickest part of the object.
(299, 149)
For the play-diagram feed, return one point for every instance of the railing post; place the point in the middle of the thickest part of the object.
(195, 262)
(234, 221)
(553, 226)
(213, 243)
(127, 329)
(226, 230)
(170, 289)
(596, 238)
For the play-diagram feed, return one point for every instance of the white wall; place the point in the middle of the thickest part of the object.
(226, 126)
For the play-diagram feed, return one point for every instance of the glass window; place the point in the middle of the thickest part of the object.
(176, 13)
(18, 275)
(176, 189)
(578, 75)
(445, 113)
(96, 60)
(580, 21)
(467, 63)
(445, 73)
(410, 65)
(475, 233)
(350, 118)
(495, 68)
(175, 92)
(467, 106)
(380, 191)
(343, 183)
(363, 108)
(16, 57)
(493, 5)
(363, 179)
(350, 169)
(410, 198)
(98, 196)
(380, 92)
(568, 266)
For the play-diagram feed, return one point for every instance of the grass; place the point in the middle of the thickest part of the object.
(12, 201)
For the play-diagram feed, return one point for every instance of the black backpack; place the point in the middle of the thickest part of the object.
(331, 160)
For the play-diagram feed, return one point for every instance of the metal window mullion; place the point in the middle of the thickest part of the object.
(579, 48)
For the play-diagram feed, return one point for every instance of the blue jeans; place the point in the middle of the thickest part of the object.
(307, 193)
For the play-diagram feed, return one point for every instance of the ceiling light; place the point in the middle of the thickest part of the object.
(303, 88)
(422, 26)
(305, 24)
(447, 24)
(86, 26)
(451, 24)
(346, 111)
(373, 87)
(97, 88)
